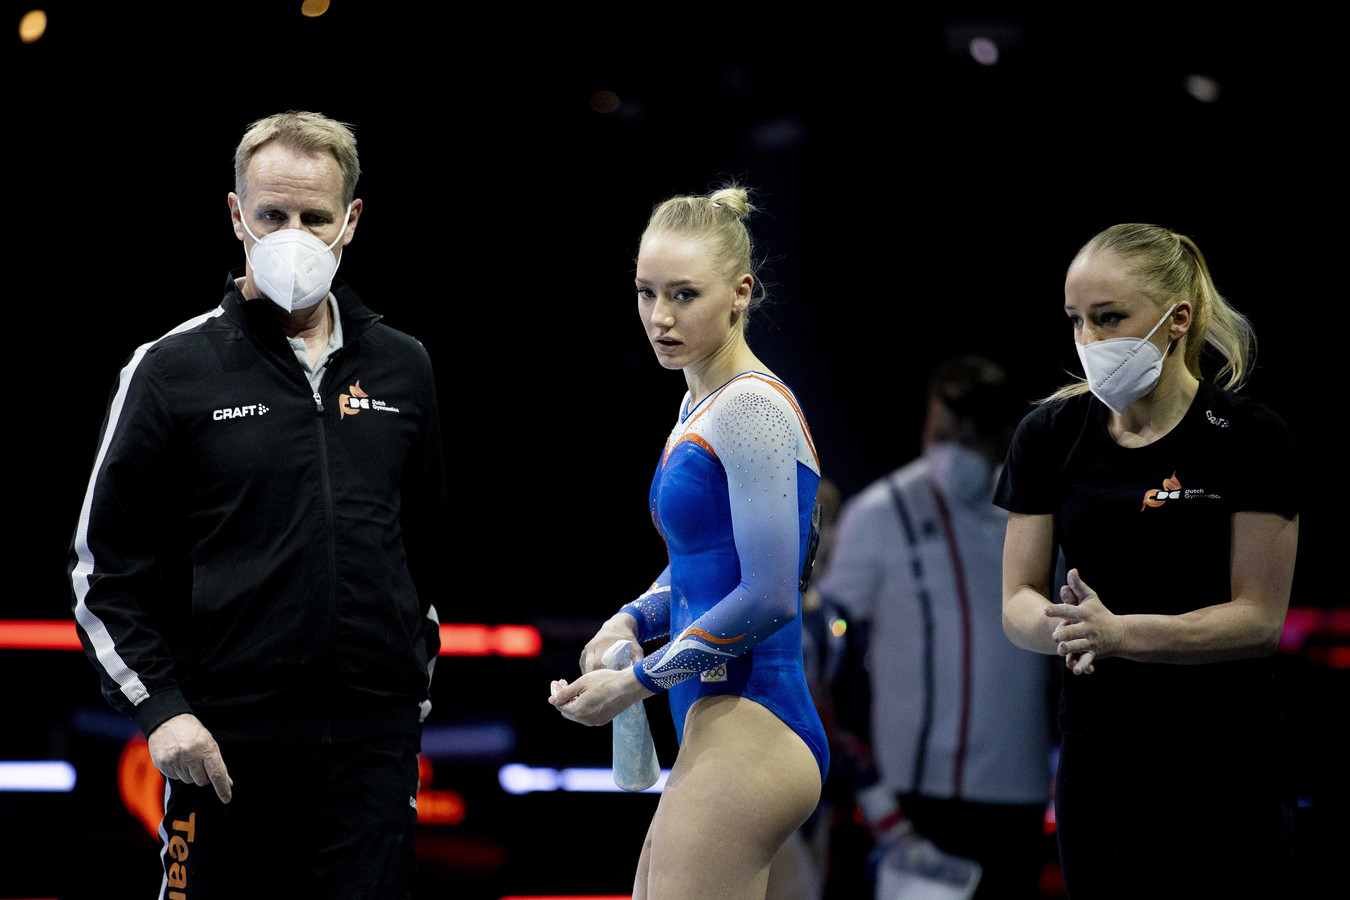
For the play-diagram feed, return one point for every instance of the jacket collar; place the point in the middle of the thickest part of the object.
(254, 316)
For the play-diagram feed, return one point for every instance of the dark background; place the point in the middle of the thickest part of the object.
(916, 205)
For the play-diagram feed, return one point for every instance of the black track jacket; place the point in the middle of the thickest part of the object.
(245, 548)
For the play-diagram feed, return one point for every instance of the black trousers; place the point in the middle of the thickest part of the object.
(1163, 819)
(331, 821)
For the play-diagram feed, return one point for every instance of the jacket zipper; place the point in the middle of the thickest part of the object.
(326, 483)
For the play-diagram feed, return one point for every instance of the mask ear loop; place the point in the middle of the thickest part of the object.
(1165, 317)
(243, 220)
(345, 222)
(1139, 345)
(1171, 345)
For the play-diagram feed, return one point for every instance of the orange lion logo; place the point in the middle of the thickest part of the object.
(350, 404)
(1171, 490)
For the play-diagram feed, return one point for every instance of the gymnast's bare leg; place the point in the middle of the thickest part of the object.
(743, 782)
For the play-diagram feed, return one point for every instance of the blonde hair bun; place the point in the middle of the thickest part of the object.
(705, 217)
(734, 198)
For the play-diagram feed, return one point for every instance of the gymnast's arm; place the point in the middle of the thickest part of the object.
(645, 618)
(755, 435)
(764, 520)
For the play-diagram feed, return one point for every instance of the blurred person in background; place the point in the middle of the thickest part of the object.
(959, 718)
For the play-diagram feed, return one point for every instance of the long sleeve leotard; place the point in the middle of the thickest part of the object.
(732, 497)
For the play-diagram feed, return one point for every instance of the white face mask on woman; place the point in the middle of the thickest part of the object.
(292, 267)
(1121, 370)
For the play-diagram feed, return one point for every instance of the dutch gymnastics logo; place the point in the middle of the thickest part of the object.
(1171, 490)
(356, 400)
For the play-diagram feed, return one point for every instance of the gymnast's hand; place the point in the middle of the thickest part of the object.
(597, 697)
(1087, 631)
(183, 749)
(619, 627)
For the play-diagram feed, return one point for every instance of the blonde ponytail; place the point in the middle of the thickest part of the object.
(1218, 324)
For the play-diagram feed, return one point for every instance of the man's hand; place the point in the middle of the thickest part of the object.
(183, 749)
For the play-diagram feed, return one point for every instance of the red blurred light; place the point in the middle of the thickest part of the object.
(435, 807)
(490, 640)
(141, 785)
(456, 640)
(38, 634)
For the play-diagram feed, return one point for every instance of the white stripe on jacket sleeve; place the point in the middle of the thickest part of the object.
(105, 650)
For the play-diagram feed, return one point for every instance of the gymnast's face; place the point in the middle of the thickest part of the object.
(692, 311)
(1103, 299)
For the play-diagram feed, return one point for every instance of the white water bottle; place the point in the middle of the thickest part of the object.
(635, 765)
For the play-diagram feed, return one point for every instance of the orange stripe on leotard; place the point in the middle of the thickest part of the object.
(777, 386)
(697, 440)
(708, 637)
(713, 398)
(688, 437)
(801, 419)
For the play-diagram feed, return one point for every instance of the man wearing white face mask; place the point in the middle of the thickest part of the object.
(960, 723)
(252, 569)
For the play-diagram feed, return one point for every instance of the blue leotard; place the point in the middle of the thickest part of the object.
(733, 497)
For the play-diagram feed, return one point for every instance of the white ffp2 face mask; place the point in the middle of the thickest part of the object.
(293, 268)
(1121, 370)
(960, 472)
